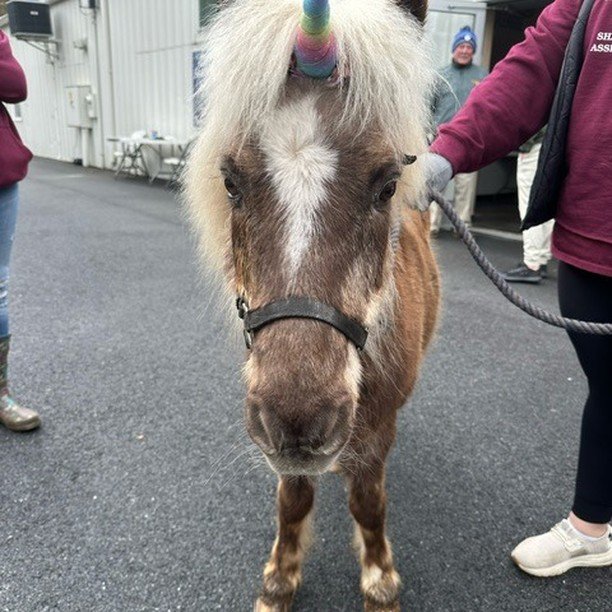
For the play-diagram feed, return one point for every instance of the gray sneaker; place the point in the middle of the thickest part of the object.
(562, 548)
(523, 274)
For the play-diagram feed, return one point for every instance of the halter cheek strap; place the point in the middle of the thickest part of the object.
(299, 308)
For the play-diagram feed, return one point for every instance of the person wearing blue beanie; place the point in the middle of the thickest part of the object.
(453, 87)
(465, 36)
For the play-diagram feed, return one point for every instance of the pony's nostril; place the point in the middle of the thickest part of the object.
(339, 431)
(257, 430)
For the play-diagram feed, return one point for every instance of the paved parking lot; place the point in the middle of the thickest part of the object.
(139, 493)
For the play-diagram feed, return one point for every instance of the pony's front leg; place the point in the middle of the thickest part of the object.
(380, 583)
(283, 571)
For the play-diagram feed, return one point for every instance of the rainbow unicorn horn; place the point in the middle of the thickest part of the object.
(315, 48)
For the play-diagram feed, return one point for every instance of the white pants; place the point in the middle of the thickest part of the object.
(536, 240)
(462, 191)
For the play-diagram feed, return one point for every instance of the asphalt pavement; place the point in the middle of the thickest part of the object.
(141, 493)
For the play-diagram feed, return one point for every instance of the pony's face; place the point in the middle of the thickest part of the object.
(312, 214)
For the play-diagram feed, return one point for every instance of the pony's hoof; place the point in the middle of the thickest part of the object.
(372, 606)
(262, 606)
(381, 591)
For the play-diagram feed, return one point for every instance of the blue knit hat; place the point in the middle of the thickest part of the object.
(465, 35)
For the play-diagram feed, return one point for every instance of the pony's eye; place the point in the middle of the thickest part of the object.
(233, 193)
(388, 191)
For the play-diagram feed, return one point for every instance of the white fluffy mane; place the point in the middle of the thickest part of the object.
(247, 51)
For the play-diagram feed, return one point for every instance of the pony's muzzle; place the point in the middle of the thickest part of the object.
(300, 442)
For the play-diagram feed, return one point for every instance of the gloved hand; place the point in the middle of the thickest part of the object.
(438, 172)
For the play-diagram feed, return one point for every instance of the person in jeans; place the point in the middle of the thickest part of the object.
(453, 86)
(14, 159)
(507, 108)
(536, 240)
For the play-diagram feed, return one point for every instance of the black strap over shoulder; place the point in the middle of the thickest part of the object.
(552, 169)
(299, 308)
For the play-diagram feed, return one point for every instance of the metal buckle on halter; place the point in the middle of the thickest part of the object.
(243, 308)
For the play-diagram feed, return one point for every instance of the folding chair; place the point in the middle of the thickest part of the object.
(178, 162)
(129, 158)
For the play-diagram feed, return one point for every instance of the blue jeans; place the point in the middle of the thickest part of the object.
(9, 200)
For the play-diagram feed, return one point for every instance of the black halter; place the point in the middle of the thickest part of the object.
(299, 308)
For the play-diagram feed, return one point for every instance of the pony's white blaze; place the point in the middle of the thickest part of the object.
(301, 166)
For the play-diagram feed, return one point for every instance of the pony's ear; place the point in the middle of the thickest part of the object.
(417, 7)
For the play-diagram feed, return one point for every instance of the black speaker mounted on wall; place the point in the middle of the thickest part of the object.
(29, 20)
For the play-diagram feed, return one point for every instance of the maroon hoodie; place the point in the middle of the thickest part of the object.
(514, 102)
(14, 156)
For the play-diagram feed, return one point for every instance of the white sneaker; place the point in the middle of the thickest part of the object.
(562, 548)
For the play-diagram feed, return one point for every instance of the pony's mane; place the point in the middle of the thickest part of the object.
(383, 66)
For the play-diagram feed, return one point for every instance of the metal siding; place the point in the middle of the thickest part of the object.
(152, 46)
(145, 74)
(44, 126)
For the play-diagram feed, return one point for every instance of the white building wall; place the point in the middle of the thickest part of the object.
(43, 125)
(152, 42)
(138, 62)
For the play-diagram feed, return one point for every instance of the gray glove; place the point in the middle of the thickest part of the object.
(438, 172)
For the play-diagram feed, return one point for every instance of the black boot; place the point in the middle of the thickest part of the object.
(12, 415)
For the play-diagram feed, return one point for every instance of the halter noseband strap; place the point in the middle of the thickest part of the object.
(299, 308)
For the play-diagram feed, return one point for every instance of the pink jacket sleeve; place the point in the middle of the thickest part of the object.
(514, 101)
(13, 86)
